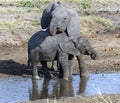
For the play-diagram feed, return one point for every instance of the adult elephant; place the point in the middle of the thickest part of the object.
(43, 48)
(60, 17)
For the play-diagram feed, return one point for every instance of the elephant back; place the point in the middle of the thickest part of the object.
(37, 39)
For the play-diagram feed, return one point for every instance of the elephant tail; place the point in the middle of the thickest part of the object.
(29, 64)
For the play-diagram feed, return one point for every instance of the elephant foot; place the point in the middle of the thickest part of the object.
(84, 74)
(49, 76)
(35, 77)
(64, 78)
(67, 78)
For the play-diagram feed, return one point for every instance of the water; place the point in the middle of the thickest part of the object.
(14, 89)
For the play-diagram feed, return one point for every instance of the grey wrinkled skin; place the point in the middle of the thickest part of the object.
(60, 17)
(43, 48)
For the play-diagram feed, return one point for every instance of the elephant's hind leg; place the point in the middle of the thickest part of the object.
(35, 71)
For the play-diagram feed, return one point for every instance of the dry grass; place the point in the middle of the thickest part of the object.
(98, 19)
(105, 99)
(90, 25)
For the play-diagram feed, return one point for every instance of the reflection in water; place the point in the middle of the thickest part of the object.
(66, 89)
(11, 87)
(34, 94)
(55, 89)
(83, 84)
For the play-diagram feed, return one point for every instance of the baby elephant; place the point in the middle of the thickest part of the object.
(43, 48)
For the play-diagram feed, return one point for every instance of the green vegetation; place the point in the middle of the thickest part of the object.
(26, 4)
(35, 23)
(105, 1)
(86, 4)
(29, 3)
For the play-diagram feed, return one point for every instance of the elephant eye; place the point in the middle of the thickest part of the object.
(64, 18)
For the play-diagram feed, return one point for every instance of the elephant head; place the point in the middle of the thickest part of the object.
(65, 19)
(47, 14)
(77, 46)
(83, 45)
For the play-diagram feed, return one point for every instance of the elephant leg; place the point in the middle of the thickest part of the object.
(70, 64)
(47, 73)
(54, 65)
(63, 60)
(82, 66)
(35, 71)
(60, 72)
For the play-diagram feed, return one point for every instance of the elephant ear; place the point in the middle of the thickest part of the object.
(68, 47)
(73, 27)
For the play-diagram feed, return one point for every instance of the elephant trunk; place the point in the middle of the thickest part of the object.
(53, 27)
(93, 54)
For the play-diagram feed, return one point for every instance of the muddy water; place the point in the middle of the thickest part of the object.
(13, 89)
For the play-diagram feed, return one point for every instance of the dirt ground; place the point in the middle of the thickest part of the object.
(13, 59)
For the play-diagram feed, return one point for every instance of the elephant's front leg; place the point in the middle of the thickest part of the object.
(82, 67)
(63, 60)
(70, 63)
